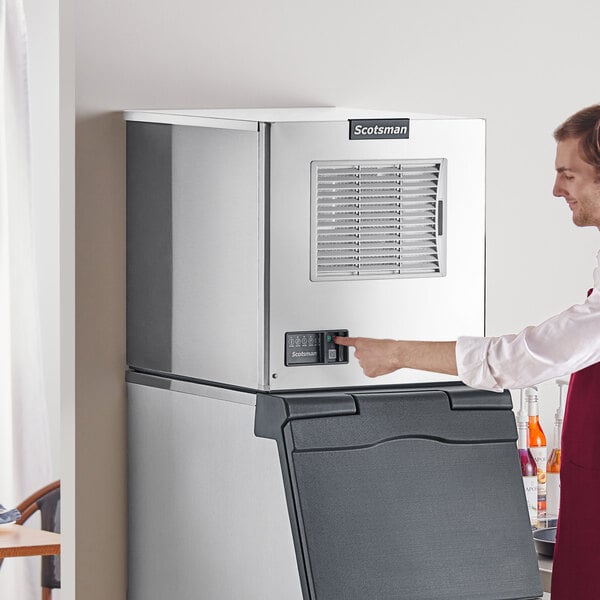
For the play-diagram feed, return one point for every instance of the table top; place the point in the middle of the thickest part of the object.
(16, 540)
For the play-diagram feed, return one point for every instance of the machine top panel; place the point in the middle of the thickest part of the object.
(249, 118)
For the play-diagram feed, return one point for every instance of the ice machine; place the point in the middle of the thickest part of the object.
(263, 464)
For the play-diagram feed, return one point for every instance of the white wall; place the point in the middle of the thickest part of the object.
(524, 66)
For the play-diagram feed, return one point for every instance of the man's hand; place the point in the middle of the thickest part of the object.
(376, 357)
(380, 357)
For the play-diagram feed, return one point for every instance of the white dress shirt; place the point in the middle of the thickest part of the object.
(559, 346)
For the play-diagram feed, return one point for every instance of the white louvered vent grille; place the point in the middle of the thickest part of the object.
(377, 219)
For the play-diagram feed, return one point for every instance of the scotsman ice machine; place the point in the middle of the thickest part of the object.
(263, 464)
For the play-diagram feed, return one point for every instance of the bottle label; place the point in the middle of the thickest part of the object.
(553, 491)
(530, 483)
(540, 455)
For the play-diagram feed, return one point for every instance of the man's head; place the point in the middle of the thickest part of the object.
(578, 165)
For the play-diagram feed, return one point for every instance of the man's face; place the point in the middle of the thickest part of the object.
(578, 183)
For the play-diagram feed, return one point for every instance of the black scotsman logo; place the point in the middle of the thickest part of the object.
(379, 129)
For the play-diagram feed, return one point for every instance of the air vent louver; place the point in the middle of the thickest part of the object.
(377, 219)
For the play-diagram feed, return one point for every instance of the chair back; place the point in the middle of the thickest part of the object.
(47, 502)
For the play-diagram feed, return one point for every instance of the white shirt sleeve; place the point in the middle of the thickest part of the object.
(563, 344)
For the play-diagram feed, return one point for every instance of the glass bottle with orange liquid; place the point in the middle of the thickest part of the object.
(537, 445)
(553, 467)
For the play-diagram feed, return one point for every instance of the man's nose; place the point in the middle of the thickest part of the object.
(558, 189)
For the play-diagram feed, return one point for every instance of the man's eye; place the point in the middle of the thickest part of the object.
(569, 177)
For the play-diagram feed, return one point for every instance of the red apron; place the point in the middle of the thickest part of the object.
(576, 568)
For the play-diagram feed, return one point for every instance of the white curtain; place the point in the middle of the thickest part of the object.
(25, 463)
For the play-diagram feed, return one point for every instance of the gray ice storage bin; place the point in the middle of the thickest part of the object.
(404, 494)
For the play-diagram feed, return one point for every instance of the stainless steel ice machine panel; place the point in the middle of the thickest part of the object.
(207, 513)
(436, 306)
(243, 226)
(195, 252)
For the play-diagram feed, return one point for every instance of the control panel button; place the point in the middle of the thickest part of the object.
(314, 348)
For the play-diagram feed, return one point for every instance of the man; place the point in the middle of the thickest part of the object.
(566, 343)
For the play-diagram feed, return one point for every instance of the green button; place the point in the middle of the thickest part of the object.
(329, 338)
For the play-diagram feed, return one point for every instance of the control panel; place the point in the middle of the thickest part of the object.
(315, 348)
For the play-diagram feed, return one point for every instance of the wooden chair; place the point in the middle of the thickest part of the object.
(47, 501)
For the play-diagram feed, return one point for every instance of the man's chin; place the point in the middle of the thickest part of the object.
(582, 221)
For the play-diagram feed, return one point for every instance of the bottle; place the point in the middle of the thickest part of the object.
(528, 466)
(553, 468)
(537, 445)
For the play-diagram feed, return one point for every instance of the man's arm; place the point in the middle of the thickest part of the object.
(379, 357)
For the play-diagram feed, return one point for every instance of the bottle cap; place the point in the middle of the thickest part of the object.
(522, 416)
(558, 414)
(531, 393)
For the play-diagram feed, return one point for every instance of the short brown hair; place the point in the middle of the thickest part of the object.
(584, 125)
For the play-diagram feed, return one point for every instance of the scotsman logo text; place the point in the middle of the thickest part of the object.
(379, 129)
(303, 354)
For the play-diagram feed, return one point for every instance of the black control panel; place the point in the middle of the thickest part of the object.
(315, 348)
